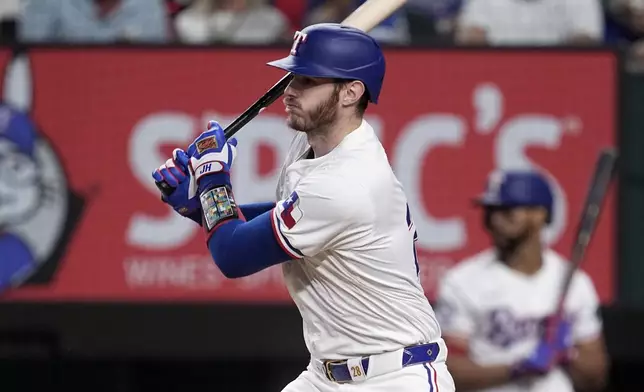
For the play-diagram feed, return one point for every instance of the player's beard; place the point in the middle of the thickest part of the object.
(507, 245)
(320, 118)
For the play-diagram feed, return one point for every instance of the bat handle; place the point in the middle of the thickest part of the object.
(243, 119)
(164, 187)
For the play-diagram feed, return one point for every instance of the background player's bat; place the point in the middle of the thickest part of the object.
(369, 15)
(604, 171)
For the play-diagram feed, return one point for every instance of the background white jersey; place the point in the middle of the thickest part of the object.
(345, 216)
(500, 311)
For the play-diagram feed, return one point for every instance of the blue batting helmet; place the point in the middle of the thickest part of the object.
(330, 50)
(516, 188)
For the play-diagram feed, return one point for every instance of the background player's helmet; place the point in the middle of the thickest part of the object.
(517, 188)
(330, 50)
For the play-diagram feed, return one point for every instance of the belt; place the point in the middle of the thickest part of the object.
(355, 369)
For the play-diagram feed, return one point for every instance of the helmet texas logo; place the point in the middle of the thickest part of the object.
(297, 40)
(37, 210)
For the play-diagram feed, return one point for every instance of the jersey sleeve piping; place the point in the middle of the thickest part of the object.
(281, 239)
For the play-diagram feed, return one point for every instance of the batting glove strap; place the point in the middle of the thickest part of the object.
(210, 173)
(218, 206)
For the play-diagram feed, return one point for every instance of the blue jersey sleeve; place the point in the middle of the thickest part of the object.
(243, 248)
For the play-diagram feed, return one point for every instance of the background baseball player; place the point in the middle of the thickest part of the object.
(494, 306)
(341, 228)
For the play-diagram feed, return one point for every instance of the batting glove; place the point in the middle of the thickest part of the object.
(559, 333)
(538, 363)
(177, 174)
(553, 349)
(211, 158)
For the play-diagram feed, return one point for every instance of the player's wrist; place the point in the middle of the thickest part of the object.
(195, 216)
(523, 369)
(218, 206)
(213, 180)
(515, 371)
(567, 356)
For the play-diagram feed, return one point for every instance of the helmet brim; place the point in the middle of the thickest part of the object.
(301, 67)
(485, 201)
(297, 66)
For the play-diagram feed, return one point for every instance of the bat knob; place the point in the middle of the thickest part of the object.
(164, 188)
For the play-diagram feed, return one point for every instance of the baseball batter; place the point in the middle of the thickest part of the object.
(494, 306)
(341, 228)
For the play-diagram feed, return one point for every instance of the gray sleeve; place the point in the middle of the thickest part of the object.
(39, 20)
(155, 23)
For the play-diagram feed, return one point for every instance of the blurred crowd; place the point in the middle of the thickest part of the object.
(261, 22)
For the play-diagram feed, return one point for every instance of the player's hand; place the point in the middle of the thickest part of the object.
(554, 348)
(539, 363)
(177, 174)
(211, 157)
(559, 333)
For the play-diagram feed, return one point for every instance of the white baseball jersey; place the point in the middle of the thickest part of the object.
(500, 312)
(344, 216)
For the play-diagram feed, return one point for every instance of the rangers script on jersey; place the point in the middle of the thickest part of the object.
(500, 311)
(355, 281)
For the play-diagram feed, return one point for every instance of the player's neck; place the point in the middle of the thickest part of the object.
(526, 257)
(325, 141)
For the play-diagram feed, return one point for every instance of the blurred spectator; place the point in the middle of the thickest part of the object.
(174, 7)
(294, 10)
(444, 13)
(432, 21)
(232, 21)
(94, 21)
(9, 10)
(329, 11)
(530, 22)
(625, 27)
(394, 30)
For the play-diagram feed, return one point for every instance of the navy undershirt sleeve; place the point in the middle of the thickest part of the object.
(243, 248)
(253, 210)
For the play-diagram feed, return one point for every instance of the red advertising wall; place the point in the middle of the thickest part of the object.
(107, 117)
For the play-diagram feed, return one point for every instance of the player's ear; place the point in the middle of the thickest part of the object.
(354, 90)
(539, 216)
(487, 218)
(543, 216)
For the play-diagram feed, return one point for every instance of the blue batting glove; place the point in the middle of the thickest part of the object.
(559, 333)
(562, 339)
(176, 173)
(555, 347)
(538, 363)
(211, 158)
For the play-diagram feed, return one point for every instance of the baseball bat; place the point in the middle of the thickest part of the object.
(604, 171)
(369, 15)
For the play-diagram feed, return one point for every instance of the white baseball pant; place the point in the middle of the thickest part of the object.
(423, 377)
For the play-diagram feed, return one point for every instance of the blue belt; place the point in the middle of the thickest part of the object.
(338, 370)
